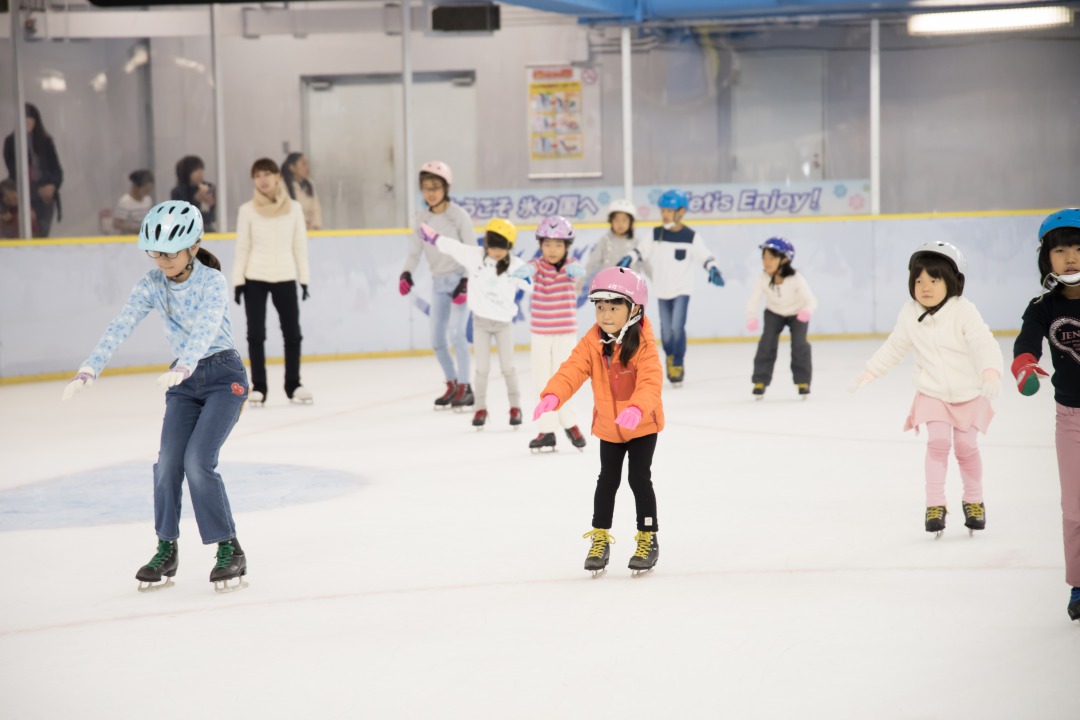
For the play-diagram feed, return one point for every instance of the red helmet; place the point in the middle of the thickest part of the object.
(616, 282)
(439, 169)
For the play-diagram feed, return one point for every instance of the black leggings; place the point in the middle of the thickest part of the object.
(283, 295)
(640, 451)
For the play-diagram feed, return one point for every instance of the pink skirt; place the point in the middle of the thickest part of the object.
(963, 416)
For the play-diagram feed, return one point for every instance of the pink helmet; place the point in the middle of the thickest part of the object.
(439, 169)
(555, 227)
(617, 282)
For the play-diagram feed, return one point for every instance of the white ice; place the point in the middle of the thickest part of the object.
(795, 579)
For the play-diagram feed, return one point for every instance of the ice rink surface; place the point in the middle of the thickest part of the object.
(404, 565)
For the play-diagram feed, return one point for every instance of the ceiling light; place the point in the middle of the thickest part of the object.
(982, 21)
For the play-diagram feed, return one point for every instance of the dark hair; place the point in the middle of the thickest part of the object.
(493, 239)
(141, 177)
(1058, 237)
(938, 267)
(208, 258)
(632, 338)
(9, 185)
(265, 165)
(630, 230)
(785, 270)
(185, 166)
(288, 178)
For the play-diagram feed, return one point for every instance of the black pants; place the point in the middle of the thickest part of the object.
(765, 359)
(283, 295)
(640, 451)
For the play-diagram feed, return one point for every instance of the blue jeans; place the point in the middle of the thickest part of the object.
(673, 327)
(448, 323)
(199, 414)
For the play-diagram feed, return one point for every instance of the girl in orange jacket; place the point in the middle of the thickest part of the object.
(619, 355)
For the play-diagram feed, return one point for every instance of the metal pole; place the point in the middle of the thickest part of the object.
(22, 161)
(406, 95)
(219, 119)
(627, 117)
(875, 117)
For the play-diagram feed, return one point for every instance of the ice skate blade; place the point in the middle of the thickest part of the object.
(294, 401)
(147, 586)
(640, 573)
(938, 534)
(759, 398)
(541, 450)
(223, 586)
(598, 573)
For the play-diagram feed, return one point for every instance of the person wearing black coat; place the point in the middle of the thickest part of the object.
(46, 174)
(192, 187)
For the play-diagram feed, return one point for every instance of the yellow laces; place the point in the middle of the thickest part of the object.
(644, 544)
(601, 538)
(935, 513)
(974, 510)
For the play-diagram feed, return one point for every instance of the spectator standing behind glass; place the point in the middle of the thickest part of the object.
(135, 204)
(192, 187)
(296, 175)
(9, 211)
(271, 255)
(46, 175)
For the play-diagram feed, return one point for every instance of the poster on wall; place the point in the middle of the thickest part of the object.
(564, 121)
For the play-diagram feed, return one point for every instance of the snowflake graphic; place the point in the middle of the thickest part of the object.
(604, 197)
(839, 191)
(857, 202)
(654, 196)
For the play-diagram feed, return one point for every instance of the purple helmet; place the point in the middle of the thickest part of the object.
(555, 227)
(781, 246)
(617, 282)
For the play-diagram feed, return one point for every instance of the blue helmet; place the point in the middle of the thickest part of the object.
(674, 200)
(780, 245)
(1069, 217)
(171, 226)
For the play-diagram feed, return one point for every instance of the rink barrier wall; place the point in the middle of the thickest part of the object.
(355, 311)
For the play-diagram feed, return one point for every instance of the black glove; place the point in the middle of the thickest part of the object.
(306, 294)
(461, 290)
(238, 292)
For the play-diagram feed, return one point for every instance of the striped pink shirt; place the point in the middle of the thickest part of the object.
(554, 300)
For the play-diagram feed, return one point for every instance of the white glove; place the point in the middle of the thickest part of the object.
(865, 379)
(82, 380)
(174, 377)
(991, 384)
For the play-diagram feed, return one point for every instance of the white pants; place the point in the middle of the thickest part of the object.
(548, 353)
(484, 331)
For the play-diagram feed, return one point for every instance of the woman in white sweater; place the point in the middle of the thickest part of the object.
(958, 367)
(788, 303)
(271, 257)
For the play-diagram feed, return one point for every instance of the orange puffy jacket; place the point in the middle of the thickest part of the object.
(614, 386)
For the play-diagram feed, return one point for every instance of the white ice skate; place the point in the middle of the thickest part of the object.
(256, 398)
(302, 396)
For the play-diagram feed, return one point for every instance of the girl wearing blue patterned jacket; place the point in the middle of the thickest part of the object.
(205, 388)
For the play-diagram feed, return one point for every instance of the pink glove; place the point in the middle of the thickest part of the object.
(547, 403)
(803, 315)
(405, 283)
(752, 325)
(629, 418)
(460, 294)
(428, 234)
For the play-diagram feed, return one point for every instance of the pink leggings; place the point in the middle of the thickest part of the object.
(937, 462)
(1068, 453)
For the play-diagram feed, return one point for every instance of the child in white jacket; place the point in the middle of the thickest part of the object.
(788, 303)
(492, 299)
(958, 372)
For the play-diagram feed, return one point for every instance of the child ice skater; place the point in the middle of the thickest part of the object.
(492, 292)
(617, 242)
(553, 319)
(788, 302)
(673, 254)
(958, 368)
(1055, 315)
(619, 354)
(449, 286)
(205, 388)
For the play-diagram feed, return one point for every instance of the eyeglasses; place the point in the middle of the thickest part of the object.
(155, 254)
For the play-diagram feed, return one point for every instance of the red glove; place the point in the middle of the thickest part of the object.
(460, 293)
(405, 283)
(1026, 370)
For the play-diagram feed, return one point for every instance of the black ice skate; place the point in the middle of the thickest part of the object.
(443, 401)
(648, 552)
(1074, 604)
(597, 559)
(804, 390)
(576, 437)
(974, 517)
(515, 417)
(935, 520)
(163, 564)
(542, 442)
(463, 398)
(676, 375)
(759, 391)
(479, 419)
(231, 565)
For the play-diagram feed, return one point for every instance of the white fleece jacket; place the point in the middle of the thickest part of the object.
(491, 296)
(270, 249)
(952, 348)
(786, 298)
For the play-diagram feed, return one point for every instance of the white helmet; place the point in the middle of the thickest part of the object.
(623, 206)
(942, 248)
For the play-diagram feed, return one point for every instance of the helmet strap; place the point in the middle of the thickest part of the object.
(1070, 280)
(622, 333)
(189, 266)
(931, 311)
